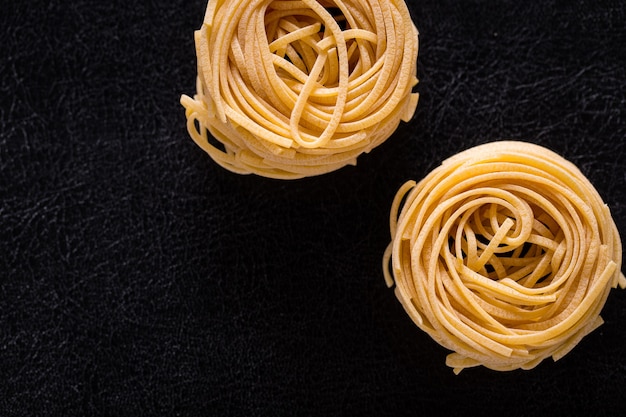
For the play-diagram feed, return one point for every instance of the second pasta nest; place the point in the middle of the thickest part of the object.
(289, 89)
(504, 254)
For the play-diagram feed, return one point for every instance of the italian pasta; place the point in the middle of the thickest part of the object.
(294, 88)
(505, 254)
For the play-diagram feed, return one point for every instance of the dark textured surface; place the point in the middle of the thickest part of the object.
(139, 278)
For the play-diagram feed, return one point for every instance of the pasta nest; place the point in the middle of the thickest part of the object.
(504, 254)
(295, 88)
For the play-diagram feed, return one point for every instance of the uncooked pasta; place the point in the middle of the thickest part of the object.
(505, 255)
(295, 88)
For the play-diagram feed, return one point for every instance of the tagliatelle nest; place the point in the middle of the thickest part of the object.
(288, 89)
(505, 254)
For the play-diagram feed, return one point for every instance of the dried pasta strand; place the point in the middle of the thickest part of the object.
(281, 83)
(505, 254)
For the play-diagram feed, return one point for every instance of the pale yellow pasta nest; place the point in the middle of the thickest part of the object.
(296, 88)
(505, 254)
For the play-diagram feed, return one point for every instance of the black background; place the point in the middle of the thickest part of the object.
(139, 278)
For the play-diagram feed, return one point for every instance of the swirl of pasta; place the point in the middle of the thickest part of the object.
(505, 255)
(294, 88)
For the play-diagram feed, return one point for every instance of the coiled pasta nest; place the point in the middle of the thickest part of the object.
(295, 88)
(505, 254)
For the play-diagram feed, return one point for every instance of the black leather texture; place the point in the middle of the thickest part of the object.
(138, 278)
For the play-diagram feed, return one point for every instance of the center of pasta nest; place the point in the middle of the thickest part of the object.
(304, 41)
(490, 241)
(317, 57)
